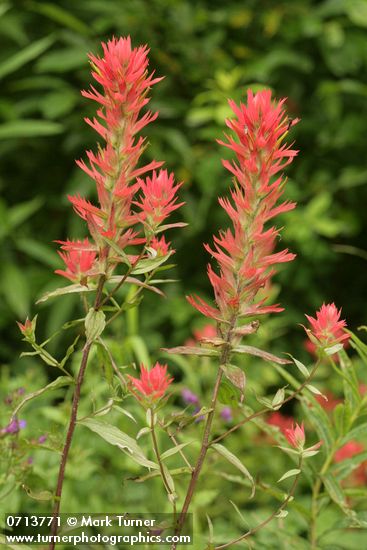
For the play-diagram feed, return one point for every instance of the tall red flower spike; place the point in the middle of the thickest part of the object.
(244, 254)
(152, 383)
(124, 81)
(327, 329)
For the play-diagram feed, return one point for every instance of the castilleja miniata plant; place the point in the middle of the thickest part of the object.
(127, 245)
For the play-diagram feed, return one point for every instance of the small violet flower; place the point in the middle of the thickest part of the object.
(14, 426)
(226, 414)
(189, 397)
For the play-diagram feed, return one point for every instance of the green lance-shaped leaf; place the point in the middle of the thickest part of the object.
(56, 384)
(301, 367)
(251, 350)
(150, 264)
(288, 474)
(15, 62)
(192, 350)
(278, 399)
(70, 289)
(174, 450)
(236, 462)
(335, 492)
(95, 323)
(116, 437)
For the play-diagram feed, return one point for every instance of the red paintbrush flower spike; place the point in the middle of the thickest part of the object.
(245, 255)
(122, 91)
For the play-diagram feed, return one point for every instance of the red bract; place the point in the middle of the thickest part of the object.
(327, 329)
(160, 246)
(80, 261)
(152, 383)
(158, 199)
(245, 254)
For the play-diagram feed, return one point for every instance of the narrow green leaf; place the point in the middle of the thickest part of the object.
(61, 16)
(38, 251)
(56, 384)
(355, 432)
(192, 350)
(333, 349)
(251, 350)
(16, 61)
(278, 399)
(335, 491)
(301, 367)
(315, 391)
(342, 469)
(15, 288)
(147, 265)
(70, 289)
(116, 437)
(69, 352)
(27, 128)
(174, 450)
(22, 211)
(288, 474)
(139, 348)
(320, 421)
(236, 462)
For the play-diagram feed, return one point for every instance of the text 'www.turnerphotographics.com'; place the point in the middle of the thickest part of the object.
(130, 529)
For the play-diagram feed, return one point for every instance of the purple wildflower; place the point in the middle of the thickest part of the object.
(226, 414)
(42, 439)
(189, 397)
(14, 426)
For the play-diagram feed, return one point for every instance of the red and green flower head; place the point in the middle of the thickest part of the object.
(327, 329)
(152, 384)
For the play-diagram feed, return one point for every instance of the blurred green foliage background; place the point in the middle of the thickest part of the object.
(315, 53)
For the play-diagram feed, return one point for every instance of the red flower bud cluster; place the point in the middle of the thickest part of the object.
(245, 254)
(327, 329)
(153, 383)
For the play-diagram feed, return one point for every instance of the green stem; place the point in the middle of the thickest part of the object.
(269, 518)
(72, 421)
(226, 351)
(159, 460)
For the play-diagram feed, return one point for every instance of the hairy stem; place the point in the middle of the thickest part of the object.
(206, 435)
(72, 421)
